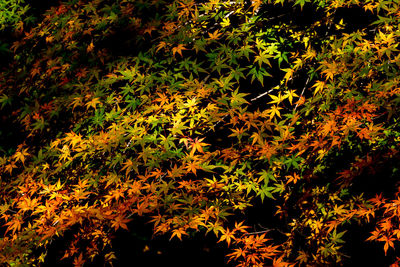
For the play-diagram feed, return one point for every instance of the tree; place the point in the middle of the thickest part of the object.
(188, 113)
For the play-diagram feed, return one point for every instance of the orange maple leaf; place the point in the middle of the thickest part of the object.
(178, 233)
(228, 236)
(197, 145)
(178, 49)
(120, 221)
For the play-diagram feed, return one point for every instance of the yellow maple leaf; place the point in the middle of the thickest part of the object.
(290, 94)
(289, 74)
(319, 85)
(20, 155)
(274, 111)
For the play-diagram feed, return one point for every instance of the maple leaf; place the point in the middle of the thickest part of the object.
(213, 184)
(161, 45)
(240, 227)
(109, 257)
(238, 252)
(378, 200)
(302, 258)
(386, 225)
(93, 103)
(298, 63)
(73, 138)
(279, 262)
(149, 29)
(215, 35)
(9, 167)
(267, 151)
(330, 71)
(193, 167)
(365, 212)
(274, 110)
(276, 99)
(79, 261)
(290, 94)
(175, 172)
(256, 4)
(319, 85)
(120, 221)
(228, 236)
(178, 49)
(130, 165)
(225, 22)
(197, 145)
(257, 138)
(28, 204)
(178, 233)
(65, 153)
(310, 54)
(301, 101)
(90, 47)
(364, 133)
(20, 155)
(237, 98)
(328, 128)
(388, 242)
(77, 101)
(374, 235)
(80, 194)
(14, 225)
(238, 133)
(292, 178)
(289, 74)
(262, 58)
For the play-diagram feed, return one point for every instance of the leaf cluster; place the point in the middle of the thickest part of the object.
(189, 114)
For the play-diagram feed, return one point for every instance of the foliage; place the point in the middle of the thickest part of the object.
(12, 12)
(188, 113)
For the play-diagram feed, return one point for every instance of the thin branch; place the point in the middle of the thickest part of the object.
(259, 232)
(263, 94)
(302, 92)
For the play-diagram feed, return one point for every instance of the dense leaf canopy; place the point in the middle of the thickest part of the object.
(188, 114)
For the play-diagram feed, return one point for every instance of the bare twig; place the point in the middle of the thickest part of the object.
(263, 94)
(259, 232)
(302, 92)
